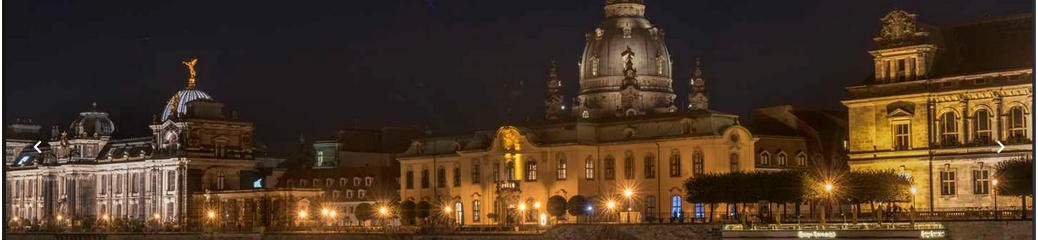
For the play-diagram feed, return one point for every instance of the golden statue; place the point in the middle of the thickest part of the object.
(191, 67)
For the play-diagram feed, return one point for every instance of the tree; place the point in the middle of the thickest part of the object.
(363, 212)
(557, 206)
(423, 209)
(578, 206)
(407, 211)
(1016, 178)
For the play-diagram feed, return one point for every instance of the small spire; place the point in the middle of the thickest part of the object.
(699, 69)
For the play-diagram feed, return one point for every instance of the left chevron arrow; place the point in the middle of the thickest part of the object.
(37, 147)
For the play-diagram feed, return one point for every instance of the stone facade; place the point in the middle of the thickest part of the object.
(934, 112)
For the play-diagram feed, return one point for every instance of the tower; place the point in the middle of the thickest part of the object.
(903, 54)
(625, 69)
(553, 104)
(698, 98)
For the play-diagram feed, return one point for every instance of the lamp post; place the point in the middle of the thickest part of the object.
(522, 214)
(628, 193)
(611, 205)
(212, 218)
(828, 193)
(302, 218)
(450, 217)
(911, 209)
(994, 184)
(382, 213)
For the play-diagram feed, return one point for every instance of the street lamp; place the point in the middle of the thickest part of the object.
(611, 205)
(911, 209)
(994, 184)
(828, 187)
(628, 193)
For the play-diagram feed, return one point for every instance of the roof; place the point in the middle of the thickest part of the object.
(998, 44)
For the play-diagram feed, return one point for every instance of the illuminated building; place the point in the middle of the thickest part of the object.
(938, 101)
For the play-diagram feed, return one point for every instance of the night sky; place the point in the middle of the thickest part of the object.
(311, 67)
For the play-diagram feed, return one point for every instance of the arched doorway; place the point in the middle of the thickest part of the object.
(459, 213)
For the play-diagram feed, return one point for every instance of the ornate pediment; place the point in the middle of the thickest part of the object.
(899, 29)
(899, 112)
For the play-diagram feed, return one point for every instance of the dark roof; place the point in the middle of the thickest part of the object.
(1004, 43)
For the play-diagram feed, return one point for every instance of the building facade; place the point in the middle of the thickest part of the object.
(624, 134)
(174, 177)
(353, 167)
(940, 101)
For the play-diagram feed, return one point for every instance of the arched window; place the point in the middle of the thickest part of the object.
(1016, 124)
(408, 179)
(801, 159)
(476, 171)
(982, 126)
(675, 164)
(675, 206)
(343, 181)
(650, 207)
(349, 194)
(356, 181)
(531, 170)
(476, 210)
(317, 183)
(765, 158)
(361, 193)
(949, 129)
(781, 158)
(629, 167)
(589, 168)
(459, 213)
(457, 176)
(610, 165)
(733, 159)
(560, 168)
(441, 177)
(368, 181)
(302, 183)
(425, 177)
(650, 166)
(697, 163)
(329, 182)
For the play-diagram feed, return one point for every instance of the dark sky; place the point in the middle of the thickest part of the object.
(311, 67)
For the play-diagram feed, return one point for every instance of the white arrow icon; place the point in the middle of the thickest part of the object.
(37, 147)
(1000, 146)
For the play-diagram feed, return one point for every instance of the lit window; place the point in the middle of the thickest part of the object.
(476, 207)
(585, 114)
(765, 158)
(901, 136)
(560, 168)
(531, 170)
(980, 181)
(675, 207)
(258, 183)
(589, 169)
(982, 126)
(947, 182)
(949, 129)
(697, 163)
(1017, 124)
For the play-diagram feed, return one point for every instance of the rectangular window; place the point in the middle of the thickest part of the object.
(697, 164)
(171, 180)
(980, 181)
(629, 168)
(560, 172)
(901, 136)
(476, 210)
(947, 182)
(531, 170)
(476, 171)
(497, 171)
(408, 180)
(457, 176)
(650, 167)
(589, 169)
(425, 178)
(609, 167)
(675, 165)
(700, 210)
(441, 177)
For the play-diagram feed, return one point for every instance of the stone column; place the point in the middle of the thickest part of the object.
(998, 117)
(964, 132)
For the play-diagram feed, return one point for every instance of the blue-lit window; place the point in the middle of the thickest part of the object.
(258, 183)
(22, 160)
(675, 206)
(700, 210)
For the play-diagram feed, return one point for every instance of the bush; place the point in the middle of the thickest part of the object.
(408, 209)
(423, 209)
(578, 206)
(557, 206)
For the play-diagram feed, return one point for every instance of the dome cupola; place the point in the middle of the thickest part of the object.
(92, 123)
(177, 105)
(625, 68)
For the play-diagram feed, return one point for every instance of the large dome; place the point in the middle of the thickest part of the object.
(92, 123)
(625, 43)
(177, 105)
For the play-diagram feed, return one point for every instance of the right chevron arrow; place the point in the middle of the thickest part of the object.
(1000, 146)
